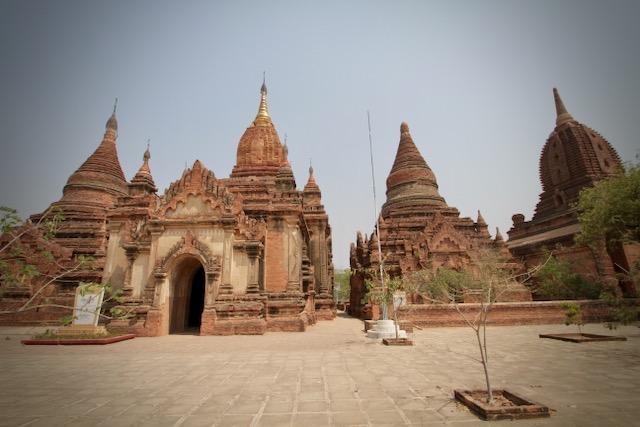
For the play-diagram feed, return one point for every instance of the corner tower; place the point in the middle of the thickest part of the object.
(90, 192)
(574, 157)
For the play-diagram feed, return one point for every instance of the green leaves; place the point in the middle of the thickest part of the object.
(51, 221)
(557, 280)
(342, 280)
(9, 219)
(572, 313)
(611, 209)
(382, 294)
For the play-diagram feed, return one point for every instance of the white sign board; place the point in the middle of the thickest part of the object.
(87, 306)
(399, 299)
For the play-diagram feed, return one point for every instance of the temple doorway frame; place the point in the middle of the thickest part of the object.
(187, 292)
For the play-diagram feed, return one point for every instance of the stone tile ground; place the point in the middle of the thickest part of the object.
(332, 375)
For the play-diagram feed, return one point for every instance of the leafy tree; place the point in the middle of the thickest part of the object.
(558, 280)
(384, 295)
(341, 279)
(611, 209)
(573, 314)
(609, 212)
(16, 272)
(486, 279)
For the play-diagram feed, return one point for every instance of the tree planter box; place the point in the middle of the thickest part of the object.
(578, 337)
(397, 341)
(507, 405)
(79, 341)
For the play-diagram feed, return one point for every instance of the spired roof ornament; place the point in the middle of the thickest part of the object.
(260, 151)
(262, 118)
(562, 116)
(143, 177)
(102, 171)
(112, 123)
(311, 184)
(411, 182)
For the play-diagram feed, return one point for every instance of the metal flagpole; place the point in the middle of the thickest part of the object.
(375, 211)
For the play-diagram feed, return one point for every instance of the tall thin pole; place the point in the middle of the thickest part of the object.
(375, 212)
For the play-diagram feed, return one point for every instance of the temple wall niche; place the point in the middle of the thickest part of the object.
(239, 272)
(116, 266)
(276, 261)
(195, 206)
(293, 254)
(140, 274)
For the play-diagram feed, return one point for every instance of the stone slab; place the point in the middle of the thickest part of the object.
(331, 375)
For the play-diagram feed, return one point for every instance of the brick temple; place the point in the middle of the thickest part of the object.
(240, 255)
(574, 157)
(418, 229)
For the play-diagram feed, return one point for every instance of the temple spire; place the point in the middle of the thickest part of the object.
(263, 119)
(112, 123)
(101, 172)
(144, 169)
(142, 183)
(480, 220)
(411, 182)
(562, 116)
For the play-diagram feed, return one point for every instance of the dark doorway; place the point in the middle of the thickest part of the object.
(196, 300)
(186, 301)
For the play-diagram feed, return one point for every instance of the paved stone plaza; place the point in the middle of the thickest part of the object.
(332, 375)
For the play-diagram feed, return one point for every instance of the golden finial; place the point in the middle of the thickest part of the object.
(263, 119)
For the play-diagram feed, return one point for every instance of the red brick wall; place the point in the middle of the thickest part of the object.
(512, 313)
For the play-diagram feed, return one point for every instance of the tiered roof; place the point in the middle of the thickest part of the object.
(574, 157)
(260, 151)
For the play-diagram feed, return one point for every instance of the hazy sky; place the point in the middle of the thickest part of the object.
(473, 79)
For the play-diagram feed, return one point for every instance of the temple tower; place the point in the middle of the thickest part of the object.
(90, 192)
(574, 157)
(217, 256)
(417, 228)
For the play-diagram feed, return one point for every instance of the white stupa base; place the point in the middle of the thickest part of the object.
(386, 329)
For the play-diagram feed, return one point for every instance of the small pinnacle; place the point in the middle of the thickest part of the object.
(562, 115)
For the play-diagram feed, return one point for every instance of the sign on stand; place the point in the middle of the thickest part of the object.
(87, 305)
(399, 299)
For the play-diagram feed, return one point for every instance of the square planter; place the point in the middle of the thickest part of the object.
(581, 337)
(397, 341)
(507, 405)
(78, 341)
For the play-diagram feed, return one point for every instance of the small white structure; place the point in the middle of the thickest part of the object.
(386, 329)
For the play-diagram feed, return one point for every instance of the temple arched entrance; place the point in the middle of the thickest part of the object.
(187, 295)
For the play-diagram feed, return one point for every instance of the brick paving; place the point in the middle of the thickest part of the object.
(331, 375)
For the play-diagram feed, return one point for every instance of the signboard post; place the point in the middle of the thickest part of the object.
(87, 306)
(86, 312)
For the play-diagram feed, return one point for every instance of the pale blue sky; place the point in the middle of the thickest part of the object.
(473, 79)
